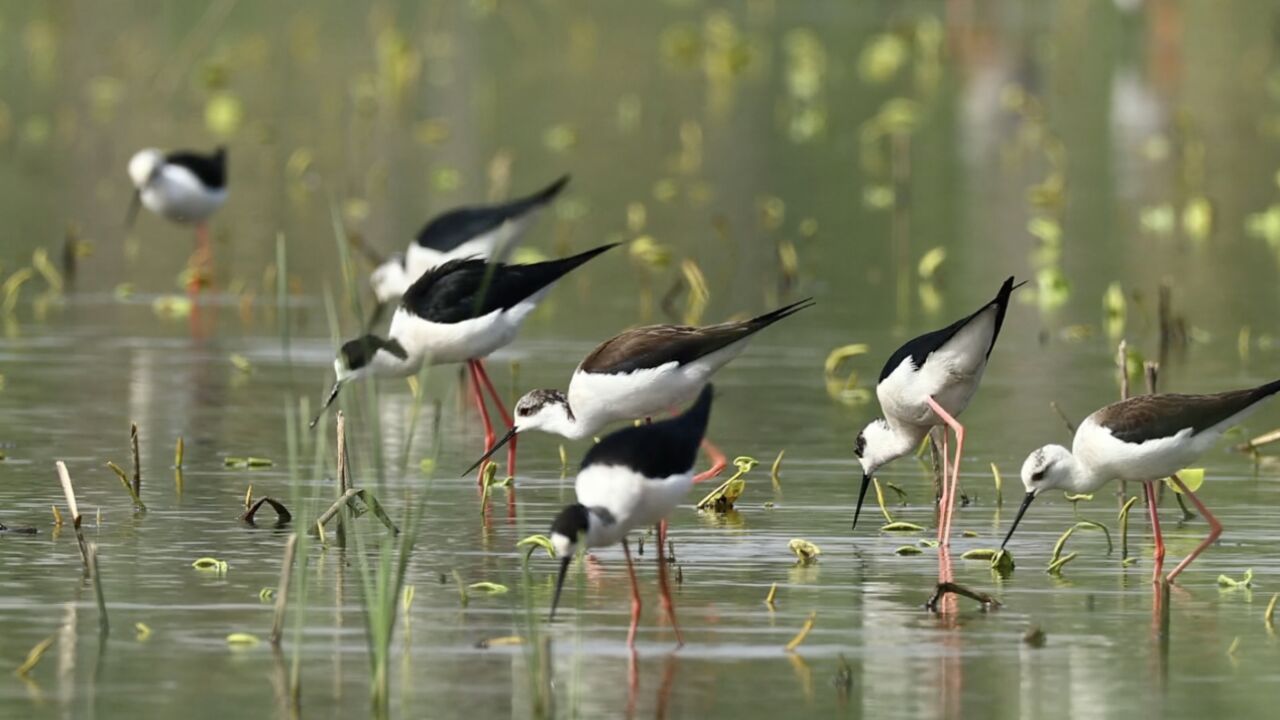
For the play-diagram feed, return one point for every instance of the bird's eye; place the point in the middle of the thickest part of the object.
(1037, 476)
(859, 445)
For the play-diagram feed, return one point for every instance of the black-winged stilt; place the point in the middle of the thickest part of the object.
(185, 187)
(460, 311)
(1145, 438)
(640, 373)
(630, 480)
(926, 383)
(484, 232)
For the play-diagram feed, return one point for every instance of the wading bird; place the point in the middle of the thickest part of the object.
(184, 187)
(926, 383)
(630, 480)
(640, 373)
(460, 311)
(1145, 439)
(484, 232)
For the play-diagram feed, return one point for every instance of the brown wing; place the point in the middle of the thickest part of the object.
(1150, 417)
(656, 345)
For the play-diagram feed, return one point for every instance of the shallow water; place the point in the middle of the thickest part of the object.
(712, 102)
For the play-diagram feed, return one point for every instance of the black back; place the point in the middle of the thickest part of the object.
(464, 289)
(660, 449)
(919, 349)
(455, 227)
(1151, 417)
(656, 345)
(211, 170)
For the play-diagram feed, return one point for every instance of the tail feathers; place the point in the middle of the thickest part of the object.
(1267, 390)
(763, 321)
(1001, 303)
(549, 193)
(560, 267)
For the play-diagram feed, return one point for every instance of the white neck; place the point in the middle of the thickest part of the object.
(1079, 477)
(567, 425)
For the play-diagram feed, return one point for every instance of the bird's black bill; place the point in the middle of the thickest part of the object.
(555, 601)
(134, 205)
(496, 447)
(375, 316)
(333, 395)
(1026, 503)
(862, 495)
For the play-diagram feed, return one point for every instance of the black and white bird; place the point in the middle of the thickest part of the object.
(926, 383)
(1143, 439)
(184, 187)
(632, 479)
(640, 373)
(461, 311)
(485, 232)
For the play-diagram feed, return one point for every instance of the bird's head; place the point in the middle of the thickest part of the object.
(143, 166)
(363, 356)
(1050, 467)
(545, 410)
(570, 528)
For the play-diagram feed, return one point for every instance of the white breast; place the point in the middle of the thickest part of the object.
(633, 500)
(443, 343)
(175, 193)
(599, 399)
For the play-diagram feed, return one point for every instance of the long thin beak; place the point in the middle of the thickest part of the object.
(1026, 503)
(333, 395)
(555, 601)
(378, 308)
(134, 205)
(497, 446)
(862, 495)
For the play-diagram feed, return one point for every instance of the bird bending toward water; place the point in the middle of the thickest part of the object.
(926, 383)
(640, 373)
(461, 311)
(632, 479)
(1144, 439)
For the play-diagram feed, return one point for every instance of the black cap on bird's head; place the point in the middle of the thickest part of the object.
(568, 529)
(354, 359)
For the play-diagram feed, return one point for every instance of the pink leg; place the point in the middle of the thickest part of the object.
(489, 437)
(949, 493)
(200, 270)
(635, 596)
(1149, 488)
(664, 585)
(1215, 529)
(502, 411)
(942, 494)
(718, 462)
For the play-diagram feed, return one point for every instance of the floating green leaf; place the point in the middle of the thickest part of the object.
(901, 527)
(243, 640)
(539, 541)
(980, 554)
(908, 550)
(1245, 582)
(492, 588)
(805, 551)
(1002, 563)
(210, 564)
